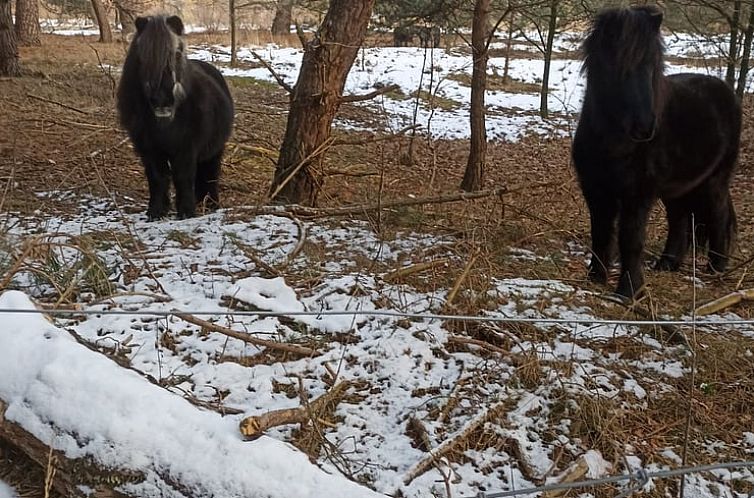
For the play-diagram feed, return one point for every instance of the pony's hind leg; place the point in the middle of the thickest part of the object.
(207, 182)
(184, 178)
(679, 223)
(158, 177)
(721, 230)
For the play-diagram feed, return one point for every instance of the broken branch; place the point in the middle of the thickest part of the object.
(288, 348)
(348, 99)
(288, 88)
(726, 301)
(410, 270)
(254, 426)
(451, 444)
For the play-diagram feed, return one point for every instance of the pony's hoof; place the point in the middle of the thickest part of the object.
(667, 264)
(626, 292)
(186, 215)
(597, 276)
(715, 269)
(156, 215)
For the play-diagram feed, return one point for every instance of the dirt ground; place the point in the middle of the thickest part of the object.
(59, 131)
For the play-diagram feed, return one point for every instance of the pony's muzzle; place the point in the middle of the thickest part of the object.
(644, 132)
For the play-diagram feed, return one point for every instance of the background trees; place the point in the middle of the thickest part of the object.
(27, 22)
(8, 48)
(315, 100)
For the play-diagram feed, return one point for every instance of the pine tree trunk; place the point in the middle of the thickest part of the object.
(552, 26)
(281, 24)
(315, 100)
(472, 179)
(27, 23)
(8, 49)
(105, 32)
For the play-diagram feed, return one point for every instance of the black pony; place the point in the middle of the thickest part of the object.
(644, 136)
(178, 113)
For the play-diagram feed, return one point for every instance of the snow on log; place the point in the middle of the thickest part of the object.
(101, 420)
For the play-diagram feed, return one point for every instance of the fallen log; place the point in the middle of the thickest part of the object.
(106, 428)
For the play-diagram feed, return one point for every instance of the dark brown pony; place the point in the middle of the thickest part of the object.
(644, 136)
(178, 113)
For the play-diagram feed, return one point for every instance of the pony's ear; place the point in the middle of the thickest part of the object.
(654, 14)
(175, 24)
(141, 23)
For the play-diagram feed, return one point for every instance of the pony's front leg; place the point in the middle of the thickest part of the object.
(184, 176)
(632, 233)
(158, 178)
(602, 213)
(679, 230)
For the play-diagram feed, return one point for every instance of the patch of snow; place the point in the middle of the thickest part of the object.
(122, 421)
(6, 491)
(598, 466)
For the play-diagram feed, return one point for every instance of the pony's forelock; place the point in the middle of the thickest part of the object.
(156, 46)
(631, 32)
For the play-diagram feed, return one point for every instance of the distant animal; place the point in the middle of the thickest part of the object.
(403, 36)
(429, 36)
(178, 114)
(644, 136)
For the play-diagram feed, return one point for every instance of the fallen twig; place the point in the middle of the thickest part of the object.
(726, 301)
(288, 348)
(451, 444)
(381, 138)
(457, 339)
(311, 213)
(42, 99)
(410, 270)
(461, 278)
(254, 426)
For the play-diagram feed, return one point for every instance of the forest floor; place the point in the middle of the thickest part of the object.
(69, 178)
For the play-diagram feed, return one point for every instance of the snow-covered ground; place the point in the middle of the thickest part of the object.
(510, 115)
(6, 491)
(400, 369)
(446, 73)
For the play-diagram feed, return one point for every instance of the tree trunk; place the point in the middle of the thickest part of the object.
(105, 33)
(472, 178)
(127, 20)
(233, 41)
(730, 73)
(315, 100)
(27, 23)
(508, 48)
(281, 24)
(8, 49)
(552, 26)
(746, 55)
